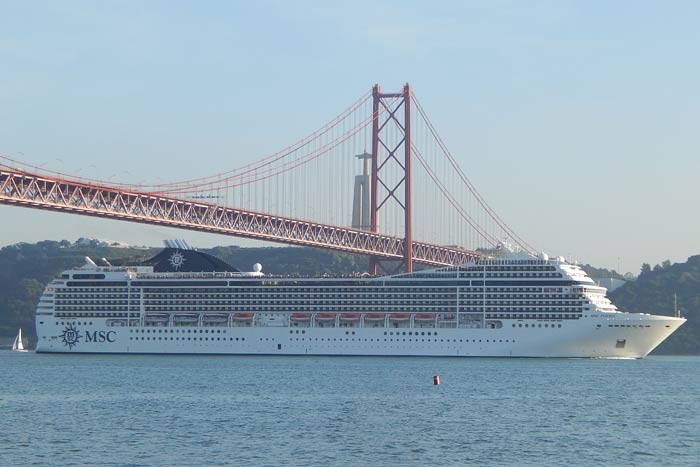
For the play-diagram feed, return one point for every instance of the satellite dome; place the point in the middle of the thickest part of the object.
(544, 256)
(257, 267)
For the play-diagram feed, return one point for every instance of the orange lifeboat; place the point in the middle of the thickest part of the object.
(349, 316)
(374, 316)
(301, 316)
(399, 316)
(243, 316)
(425, 316)
(325, 316)
(449, 317)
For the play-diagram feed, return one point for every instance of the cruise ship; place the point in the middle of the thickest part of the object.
(183, 301)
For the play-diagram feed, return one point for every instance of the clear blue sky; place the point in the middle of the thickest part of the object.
(578, 120)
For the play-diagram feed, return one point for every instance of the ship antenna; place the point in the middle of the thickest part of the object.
(676, 311)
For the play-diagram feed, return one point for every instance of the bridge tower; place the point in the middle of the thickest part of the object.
(392, 116)
(362, 194)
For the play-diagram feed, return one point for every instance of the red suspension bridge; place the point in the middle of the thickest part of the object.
(308, 193)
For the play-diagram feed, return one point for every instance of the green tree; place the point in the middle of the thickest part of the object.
(646, 268)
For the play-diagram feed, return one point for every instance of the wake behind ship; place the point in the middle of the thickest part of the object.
(186, 302)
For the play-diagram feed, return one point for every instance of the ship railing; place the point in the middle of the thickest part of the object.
(194, 275)
(104, 269)
(321, 319)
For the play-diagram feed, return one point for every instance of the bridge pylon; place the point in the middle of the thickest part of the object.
(391, 116)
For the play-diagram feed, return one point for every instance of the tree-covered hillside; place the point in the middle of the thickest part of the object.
(653, 292)
(602, 273)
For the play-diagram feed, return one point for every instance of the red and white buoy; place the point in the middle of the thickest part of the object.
(436, 380)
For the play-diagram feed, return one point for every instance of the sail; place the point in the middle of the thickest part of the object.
(17, 344)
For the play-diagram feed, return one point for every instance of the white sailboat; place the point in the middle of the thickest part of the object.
(17, 345)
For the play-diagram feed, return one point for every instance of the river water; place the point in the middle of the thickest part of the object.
(135, 410)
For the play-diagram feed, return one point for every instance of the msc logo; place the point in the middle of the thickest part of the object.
(177, 259)
(99, 336)
(71, 336)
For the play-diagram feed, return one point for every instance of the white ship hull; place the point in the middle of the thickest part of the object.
(598, 336)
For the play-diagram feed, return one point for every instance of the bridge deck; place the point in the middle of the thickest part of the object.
(19, 188)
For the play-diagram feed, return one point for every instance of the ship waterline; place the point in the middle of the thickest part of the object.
(513, 305)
